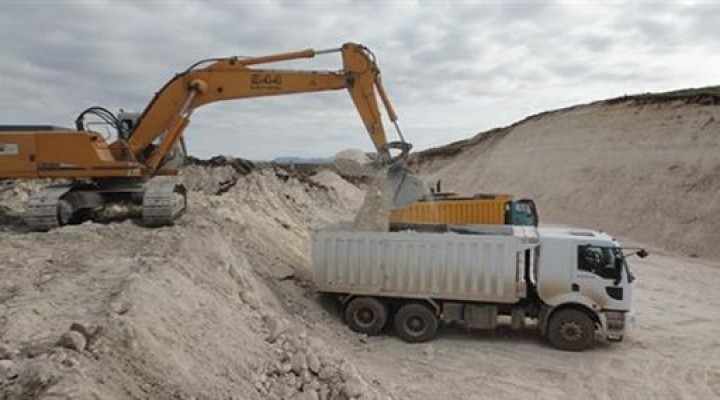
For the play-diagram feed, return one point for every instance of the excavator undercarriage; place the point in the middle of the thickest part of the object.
(157, 202)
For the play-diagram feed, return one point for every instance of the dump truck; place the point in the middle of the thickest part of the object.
(571, 284)
(450, 209)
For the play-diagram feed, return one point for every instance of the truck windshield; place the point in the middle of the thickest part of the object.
(606, 262)
(520, 212)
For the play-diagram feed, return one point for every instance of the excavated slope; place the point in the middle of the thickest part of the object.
(215, 307)
(645, 167)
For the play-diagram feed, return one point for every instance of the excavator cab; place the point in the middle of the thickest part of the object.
(126, 123)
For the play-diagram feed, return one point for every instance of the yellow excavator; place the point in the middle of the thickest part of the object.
(123, 172)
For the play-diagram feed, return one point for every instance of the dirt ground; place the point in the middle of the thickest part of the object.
(219, 306)
(204, 309)
(673, 352)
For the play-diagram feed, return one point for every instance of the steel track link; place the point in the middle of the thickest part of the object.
(162, 204)
(42, 210)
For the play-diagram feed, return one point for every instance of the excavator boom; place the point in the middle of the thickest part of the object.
(122, 172)
(235, 78)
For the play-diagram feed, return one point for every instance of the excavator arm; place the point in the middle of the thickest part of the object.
(211, 81)
(119, 173)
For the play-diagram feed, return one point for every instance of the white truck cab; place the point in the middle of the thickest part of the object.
(586, 271)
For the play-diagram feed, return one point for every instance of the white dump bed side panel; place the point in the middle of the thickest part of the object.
(419, 265)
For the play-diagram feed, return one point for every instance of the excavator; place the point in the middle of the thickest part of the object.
(100, 174)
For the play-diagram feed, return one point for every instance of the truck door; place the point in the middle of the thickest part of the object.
(600, 276)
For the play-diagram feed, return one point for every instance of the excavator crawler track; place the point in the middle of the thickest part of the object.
(7, 184)
(43, 210)
(163, 203)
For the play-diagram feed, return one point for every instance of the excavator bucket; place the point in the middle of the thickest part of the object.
(404, 187)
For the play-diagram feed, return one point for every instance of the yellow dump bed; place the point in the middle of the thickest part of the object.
(478, 210)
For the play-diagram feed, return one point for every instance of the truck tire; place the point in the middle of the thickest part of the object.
(366, 315)
(571, 330)
(415, 323)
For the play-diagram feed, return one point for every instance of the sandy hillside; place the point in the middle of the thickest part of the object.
(645, 167)
(210, 308)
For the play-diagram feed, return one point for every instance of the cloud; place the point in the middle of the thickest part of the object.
(451, 68)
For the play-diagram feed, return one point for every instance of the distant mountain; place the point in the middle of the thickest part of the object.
(301, 160)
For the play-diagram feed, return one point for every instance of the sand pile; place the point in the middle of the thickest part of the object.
(304, 369)
(346, 191)
(12, 203)
(182, 312)
(374, 213)
(352, 163)
(15, 197)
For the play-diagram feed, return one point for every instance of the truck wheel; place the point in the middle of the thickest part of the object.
(571, 330)
(415, 323)
(366, 315)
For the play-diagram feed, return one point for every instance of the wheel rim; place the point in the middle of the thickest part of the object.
(571, 331)
(364, 317)
(415, 325)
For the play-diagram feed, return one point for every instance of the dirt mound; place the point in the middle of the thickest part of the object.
(222, 175)
(647, 167)
(12, 204)
(189, 311)
(240, 165)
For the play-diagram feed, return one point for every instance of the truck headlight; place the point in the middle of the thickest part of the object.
(615, 320)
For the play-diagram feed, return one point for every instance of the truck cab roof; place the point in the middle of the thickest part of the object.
(575, 234)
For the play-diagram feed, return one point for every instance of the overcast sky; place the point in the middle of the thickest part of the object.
(452, 68)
